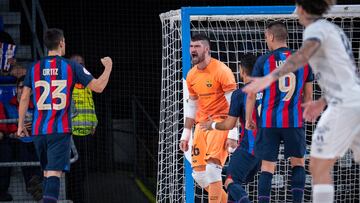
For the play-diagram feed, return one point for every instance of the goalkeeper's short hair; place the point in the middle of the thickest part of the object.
(200, 37)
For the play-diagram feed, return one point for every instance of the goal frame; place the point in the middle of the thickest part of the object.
(185, 15)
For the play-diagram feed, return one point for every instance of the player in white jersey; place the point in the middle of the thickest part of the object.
(328, 50)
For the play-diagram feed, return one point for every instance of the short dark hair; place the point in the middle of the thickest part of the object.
(278, 29)
(247, 62)
(315, 7)
(52, 38)
(200, 37)
(19, 80)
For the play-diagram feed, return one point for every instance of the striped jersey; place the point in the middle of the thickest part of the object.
(237, 109)
(281, 103)
(52, 80)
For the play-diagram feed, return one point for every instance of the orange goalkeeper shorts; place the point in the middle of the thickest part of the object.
(208, 144)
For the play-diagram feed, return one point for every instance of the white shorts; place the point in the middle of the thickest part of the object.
(337, 131)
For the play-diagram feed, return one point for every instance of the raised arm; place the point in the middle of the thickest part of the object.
(98, 85)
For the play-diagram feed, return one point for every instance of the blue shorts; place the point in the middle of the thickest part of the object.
(243, 166)
(53, 151)
(268, 140)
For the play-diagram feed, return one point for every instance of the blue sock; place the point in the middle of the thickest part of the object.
(264, 187)
(51, 193)
(237, 193)
(297, 183)
(44, 182)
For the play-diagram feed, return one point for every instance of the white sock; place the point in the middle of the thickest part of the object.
(323, 193)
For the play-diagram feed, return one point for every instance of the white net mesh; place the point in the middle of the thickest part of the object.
(230, 37)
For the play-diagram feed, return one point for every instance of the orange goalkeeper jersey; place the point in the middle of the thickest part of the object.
(209, 85)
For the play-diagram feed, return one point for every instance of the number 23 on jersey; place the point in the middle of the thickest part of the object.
(59, 85)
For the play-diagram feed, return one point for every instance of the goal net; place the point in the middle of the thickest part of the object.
(234, 31)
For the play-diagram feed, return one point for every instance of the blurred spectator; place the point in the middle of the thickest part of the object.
(18, 70)
(84, 122)
(21, 150)
(7, 50)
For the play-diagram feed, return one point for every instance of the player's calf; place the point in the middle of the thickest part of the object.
(236, 193)
(52, 187)
(297, 178)
(264, 184)
(323, 188)
(200, 176)
(297, 183)
(213, 174)
(51, 193)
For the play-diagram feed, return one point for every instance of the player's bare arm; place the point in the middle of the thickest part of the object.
(227, 124)
(23, 107)
(293, 63)
(98, 85)
(250, 104)
(233, 135)
(298, 59)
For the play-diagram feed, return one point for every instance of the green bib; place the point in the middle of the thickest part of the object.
(84, 120)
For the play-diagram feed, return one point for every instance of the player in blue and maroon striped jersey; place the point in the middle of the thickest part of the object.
(281, 104)
(281, 114)
(51, 81)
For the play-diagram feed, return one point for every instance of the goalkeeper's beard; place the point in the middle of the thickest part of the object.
(197, 59)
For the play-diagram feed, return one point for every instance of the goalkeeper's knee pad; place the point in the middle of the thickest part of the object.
(213, 172)
(200, 178)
